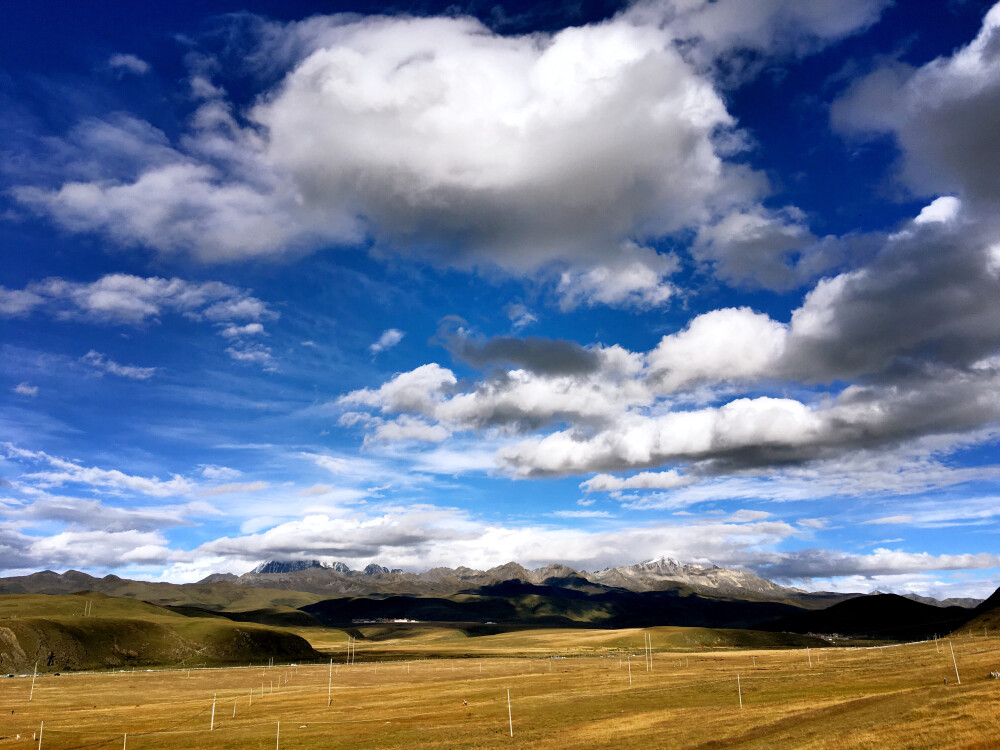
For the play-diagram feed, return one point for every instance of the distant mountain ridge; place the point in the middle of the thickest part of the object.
(876, 615)
(295, 566)
(719, 581)
(660, 574)
(294, 583)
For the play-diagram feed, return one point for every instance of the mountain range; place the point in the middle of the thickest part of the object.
(656, 592)
(661, 574)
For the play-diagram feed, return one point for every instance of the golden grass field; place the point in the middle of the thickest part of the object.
(892, 697)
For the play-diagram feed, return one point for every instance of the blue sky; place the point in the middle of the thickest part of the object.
(425, 285)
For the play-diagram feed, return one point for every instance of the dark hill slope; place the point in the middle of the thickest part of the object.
(876, 616)
(53, 631)
(985, 618)
(520, 603)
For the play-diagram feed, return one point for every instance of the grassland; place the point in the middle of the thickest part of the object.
(891, 697)
(91, 631)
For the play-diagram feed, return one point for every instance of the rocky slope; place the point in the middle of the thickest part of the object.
(652, 575)
(293, 583)
(663, 574)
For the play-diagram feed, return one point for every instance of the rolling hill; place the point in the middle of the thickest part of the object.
(220, 596)
(515, 602)
(876, 616)
(54, 632)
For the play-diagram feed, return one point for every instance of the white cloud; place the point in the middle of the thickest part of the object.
(17, 302)
(637, 441)
(406, 428)
(435, 136)
(922, 319)
(252, 353)
(128, 299)
(125, 63)
(520, 316)
(87, 513)
(518, 397)
(660, 480)
(420, 537)
(632, 277)
(101, 364)
(730, 344)
(943, 210)
(417, 390)
(103, 549)
(222, 473)
(26, 389)
(438, 137)
(452, 461)
(232, 331)
(815, 563)
(67, 472)
(389, 338)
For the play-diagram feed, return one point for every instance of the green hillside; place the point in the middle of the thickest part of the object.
(118, 632)
(220, 596)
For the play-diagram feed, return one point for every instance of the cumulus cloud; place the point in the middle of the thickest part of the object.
(101, 364)
(26, 389)
(514, 399)
(944, 116)
(437, 137)
(927, 297)
(763, 425)
(730, 344)
(766, 431)
(915, 332)
(634, 277)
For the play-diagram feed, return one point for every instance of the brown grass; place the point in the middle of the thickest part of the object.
(850, 698)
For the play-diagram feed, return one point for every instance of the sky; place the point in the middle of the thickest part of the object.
(429, 284)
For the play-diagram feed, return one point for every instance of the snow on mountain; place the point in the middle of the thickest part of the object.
(713, 579)
(287, 566)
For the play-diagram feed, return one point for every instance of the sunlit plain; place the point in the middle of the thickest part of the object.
(602, 693)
